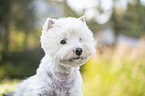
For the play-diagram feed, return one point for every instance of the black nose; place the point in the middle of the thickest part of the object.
(78, 51)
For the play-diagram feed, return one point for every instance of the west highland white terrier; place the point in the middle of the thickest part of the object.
(68, 43)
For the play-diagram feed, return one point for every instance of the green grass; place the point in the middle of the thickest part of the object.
(7, 85)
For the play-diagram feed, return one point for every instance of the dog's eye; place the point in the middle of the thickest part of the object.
(63, 41)
(80, 39)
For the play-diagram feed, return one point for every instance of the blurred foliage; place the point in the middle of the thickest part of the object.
(131, 21)
(20, 64)
(18, 42)
(15, 15)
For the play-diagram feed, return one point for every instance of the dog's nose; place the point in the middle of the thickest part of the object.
(78, 51)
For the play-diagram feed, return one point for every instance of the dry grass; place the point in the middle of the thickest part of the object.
(118, 72)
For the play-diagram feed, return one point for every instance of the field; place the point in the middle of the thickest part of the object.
(118, 71)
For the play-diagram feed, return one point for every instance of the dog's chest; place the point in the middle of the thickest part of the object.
(62, 83)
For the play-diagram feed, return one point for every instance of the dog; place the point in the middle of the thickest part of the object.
(68, 43)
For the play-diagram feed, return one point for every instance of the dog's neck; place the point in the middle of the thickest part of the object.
(63, 69)
(55, 68)
(63, 73)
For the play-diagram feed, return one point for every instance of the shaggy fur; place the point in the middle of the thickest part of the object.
(58, 73)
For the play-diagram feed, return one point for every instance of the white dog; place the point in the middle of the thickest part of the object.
(67, 43)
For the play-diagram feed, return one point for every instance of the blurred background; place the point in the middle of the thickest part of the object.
(117, 68)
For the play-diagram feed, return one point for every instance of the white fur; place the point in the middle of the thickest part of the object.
(57, 75)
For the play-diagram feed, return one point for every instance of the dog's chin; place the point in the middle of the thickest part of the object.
(73, 62)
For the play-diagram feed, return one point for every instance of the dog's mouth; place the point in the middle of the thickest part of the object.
(77, 58)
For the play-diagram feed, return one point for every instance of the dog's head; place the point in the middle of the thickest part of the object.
(68, 41)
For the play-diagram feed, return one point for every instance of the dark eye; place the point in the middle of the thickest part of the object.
(63, 41)
(80, 39)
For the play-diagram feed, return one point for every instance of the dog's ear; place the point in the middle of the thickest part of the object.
(82, 19)
(48, 24)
